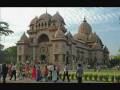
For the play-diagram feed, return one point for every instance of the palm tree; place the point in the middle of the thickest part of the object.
(4, 29)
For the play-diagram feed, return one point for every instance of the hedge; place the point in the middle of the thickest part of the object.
(95, 77)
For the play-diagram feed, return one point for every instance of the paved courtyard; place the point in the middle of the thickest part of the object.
(59, 81)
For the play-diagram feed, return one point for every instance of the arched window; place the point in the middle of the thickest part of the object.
(45, 24)
(42, 24)
(32, 27)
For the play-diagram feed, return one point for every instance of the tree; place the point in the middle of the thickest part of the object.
(4, 29)
(11, 53)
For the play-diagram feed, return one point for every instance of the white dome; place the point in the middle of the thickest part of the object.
(82, 36)
(85, 27)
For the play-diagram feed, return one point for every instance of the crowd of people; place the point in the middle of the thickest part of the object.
(26, 71)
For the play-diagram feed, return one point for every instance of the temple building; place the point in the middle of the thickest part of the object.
(50, 42)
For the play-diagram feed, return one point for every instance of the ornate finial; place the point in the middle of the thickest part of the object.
(84, 19)
(57, 12)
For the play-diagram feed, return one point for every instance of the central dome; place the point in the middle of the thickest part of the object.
(45, 16)
(57, 17)
(85, 27)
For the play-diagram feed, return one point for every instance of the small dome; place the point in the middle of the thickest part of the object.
(96, 46)
(82, 36)
(75, 36)
(57, 17)
(69, 35)
(33, 21)
(45, 16)
(24, 37)
(85, 27)
(92, 37)
(106, 49)
(99, 40)
(59, 33)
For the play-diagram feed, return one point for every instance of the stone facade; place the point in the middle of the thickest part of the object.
(49, 42)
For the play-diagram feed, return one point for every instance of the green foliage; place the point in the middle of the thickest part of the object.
(86, 76)
(10, 54)
(106, 78)
(4, 29)
(90, 76)
(100, 77)
(95, 77)
(72, 76)
(117, 78)
(112, 78)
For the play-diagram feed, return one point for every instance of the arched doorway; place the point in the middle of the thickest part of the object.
(43, 48)
(43, 38)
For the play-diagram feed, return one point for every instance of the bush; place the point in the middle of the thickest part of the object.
(90, 76)
(112, 78)
(72, 76)
(106, 78)
(117, 78)
(95, 77)
(100, 77)
(85, 76)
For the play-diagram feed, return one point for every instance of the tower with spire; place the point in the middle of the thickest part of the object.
(23, 49)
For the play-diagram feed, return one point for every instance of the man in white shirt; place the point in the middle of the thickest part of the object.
(13, 72)
(0, 71)
(79, 73)
(66, 74)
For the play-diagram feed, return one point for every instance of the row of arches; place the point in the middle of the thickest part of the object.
(40, 25)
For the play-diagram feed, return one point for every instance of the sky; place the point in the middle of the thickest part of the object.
(105, 21)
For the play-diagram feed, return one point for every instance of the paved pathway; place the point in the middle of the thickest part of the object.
(59, 81)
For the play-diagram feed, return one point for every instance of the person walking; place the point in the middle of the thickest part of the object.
(46, 73)
(54, 74)
(33, 72)
(58, 71)
(20, 71)
(66, 74)
(0, 71)
(79, 73)
(38, 73)
(4, 72)
(13, 72)
(9, 70)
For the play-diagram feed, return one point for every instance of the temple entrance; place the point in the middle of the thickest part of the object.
(43, 41)
(43, 58)
(43, 55)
